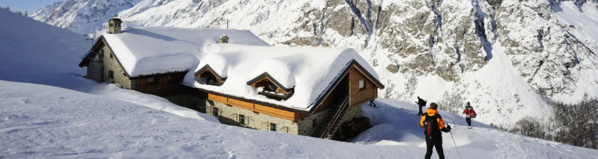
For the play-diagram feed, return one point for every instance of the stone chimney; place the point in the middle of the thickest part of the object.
(114, 26)
(223, 39)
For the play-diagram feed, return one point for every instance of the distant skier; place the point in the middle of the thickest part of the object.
(432, 123)
(469, 113)
(421, 103)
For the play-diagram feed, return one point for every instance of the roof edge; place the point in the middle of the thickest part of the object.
(85, 61)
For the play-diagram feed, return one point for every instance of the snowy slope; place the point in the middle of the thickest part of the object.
(91, 120)
(39, 121)
(28, 57)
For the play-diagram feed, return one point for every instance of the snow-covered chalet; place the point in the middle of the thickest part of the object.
(239, 78)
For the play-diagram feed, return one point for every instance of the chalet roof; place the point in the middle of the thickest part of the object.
(156, 50)
(310, 71)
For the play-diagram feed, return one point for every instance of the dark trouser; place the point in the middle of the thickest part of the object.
(434, 143)
(468, 121)
(420, 110)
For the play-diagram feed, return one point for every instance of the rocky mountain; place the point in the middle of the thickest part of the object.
(81, 16)
(509, 58)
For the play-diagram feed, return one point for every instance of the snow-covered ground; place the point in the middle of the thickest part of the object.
(47, 110)
(40, 121)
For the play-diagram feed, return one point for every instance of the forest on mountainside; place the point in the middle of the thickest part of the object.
(575, 124)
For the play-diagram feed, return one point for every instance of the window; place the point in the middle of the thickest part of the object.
(212, 81)
(361, 85)
(110, 55)
(110, 75)
(242, 119)
(270, 88)
(101, 52)
(152, 81)
(315, 123)
(274, 127)
(215, 111)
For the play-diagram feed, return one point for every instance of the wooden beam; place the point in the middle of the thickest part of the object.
(262, 109)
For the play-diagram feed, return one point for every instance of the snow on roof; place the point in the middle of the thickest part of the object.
(277, 69)
(309, 70)
(218, 64)
(155, 50)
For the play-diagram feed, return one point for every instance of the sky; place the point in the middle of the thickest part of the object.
(26, 5)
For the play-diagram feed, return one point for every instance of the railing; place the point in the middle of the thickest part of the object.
(334, 122)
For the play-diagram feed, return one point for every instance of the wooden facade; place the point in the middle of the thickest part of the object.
(259, 108)
(357, 95)
(162, 84)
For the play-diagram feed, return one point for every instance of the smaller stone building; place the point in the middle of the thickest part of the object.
(152, 60)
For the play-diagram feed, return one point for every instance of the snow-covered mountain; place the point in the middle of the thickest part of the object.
(509, 58)
(47, 110)
(81, 16)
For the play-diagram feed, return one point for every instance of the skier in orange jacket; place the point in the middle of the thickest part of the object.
(432, 123)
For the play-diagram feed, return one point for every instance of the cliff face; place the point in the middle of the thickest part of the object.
(503, 56)
(81, 16)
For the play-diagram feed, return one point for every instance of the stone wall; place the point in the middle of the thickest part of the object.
(314, 124)
(95, 68)
(353, 113)
(230, 115)
(308, 126)
(112, 64)
(345, 130)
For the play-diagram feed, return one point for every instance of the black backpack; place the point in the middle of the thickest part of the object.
(431, 126)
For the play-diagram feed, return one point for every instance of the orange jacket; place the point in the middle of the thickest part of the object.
(431, 112)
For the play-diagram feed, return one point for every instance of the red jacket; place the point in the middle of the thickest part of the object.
(469, 113)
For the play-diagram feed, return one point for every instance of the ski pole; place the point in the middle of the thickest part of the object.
(454, 140)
